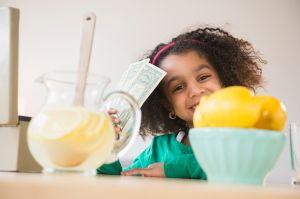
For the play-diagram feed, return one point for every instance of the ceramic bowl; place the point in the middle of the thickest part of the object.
(236, 155)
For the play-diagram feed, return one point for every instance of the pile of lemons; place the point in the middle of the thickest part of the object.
(237, 106)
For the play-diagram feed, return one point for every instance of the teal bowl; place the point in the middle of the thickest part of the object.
(236, 155)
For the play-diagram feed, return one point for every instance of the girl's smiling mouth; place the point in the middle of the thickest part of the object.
(193, 107)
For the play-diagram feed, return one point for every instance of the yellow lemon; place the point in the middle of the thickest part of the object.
(228, 107)
(272, 114)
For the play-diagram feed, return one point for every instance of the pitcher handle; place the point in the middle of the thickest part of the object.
(129, 125)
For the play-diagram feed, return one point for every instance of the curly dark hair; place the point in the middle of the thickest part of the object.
(235, 61)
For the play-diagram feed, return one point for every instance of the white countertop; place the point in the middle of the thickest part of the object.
(53, 186)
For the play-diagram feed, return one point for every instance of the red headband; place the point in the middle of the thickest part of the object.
(166, 47)
(162, 50)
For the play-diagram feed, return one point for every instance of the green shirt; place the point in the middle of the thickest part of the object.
(179, 160)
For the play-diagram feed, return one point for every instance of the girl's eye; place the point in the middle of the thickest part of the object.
(177, 88)
(203, 77)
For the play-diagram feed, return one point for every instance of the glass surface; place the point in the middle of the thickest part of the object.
(295, 152)
(64, 137)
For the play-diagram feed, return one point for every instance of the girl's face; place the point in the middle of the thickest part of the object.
(189, 77)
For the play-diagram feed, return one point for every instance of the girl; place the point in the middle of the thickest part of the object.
(197, 63)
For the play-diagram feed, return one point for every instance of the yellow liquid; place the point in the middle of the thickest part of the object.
(71, 138)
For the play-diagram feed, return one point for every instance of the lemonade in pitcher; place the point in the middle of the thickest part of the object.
(71, 137)
(65, 137)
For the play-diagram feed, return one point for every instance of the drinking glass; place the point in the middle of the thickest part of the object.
(295, 152)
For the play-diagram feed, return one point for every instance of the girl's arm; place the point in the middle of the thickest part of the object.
(185, 166)
(114, 168)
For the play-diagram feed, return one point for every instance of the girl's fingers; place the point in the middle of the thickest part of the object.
(116, 123)
(112, 111)
(117, 130)
(115, 120)
(143, 172)
(154, 170)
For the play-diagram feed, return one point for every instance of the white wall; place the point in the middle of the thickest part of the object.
(50, 36)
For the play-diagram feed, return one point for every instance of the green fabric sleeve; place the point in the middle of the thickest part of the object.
(114, 168)
(143, 160)
(136, 164)
(139, 162)
(184, 166)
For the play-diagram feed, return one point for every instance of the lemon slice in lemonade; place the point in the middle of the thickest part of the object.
(89, 132)
(70, 135)
(97, 135)
(59, 122)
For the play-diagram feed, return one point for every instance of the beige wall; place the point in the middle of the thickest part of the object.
(50, 35)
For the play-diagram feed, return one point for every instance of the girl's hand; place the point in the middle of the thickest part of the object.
(153, 170)
(115, 121)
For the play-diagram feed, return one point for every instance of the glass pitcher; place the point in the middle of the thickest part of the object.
(65, 137)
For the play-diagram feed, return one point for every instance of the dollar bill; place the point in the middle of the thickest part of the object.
(145, 81)
(130, 74)
(139, 80)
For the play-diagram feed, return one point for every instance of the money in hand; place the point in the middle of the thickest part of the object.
(139, 80)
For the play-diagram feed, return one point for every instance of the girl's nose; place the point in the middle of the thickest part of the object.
(195, 90)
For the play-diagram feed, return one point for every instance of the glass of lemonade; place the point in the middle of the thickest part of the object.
(295, 152)
(68, 138)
